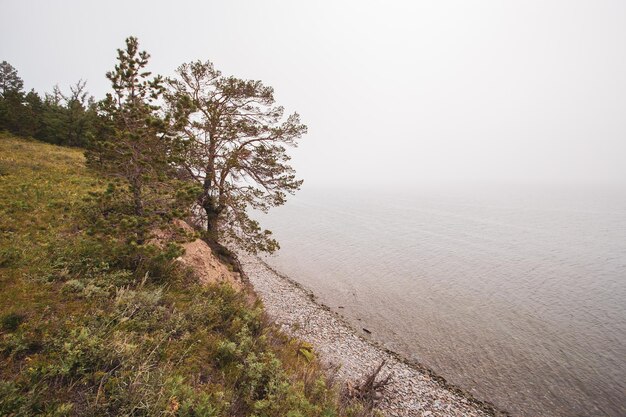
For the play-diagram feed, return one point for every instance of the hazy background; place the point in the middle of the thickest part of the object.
(407, 92)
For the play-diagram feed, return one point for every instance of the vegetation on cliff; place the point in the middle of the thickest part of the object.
(91, 325)
(96, 316)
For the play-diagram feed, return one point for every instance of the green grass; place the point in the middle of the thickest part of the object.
(82, 332)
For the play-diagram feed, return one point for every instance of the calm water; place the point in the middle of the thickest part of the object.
(518, 295)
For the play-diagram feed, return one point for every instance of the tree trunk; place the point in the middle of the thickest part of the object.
(211, 219)
(137, 200)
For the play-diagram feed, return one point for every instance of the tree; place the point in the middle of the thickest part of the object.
(9, 80)
(69, 119)
(20, 113)
(31, 115)
(136, 149)
(236, 141)
(60, 119)
(136, 146)
(11, 99)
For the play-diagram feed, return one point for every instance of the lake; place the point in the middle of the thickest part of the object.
(516, 294)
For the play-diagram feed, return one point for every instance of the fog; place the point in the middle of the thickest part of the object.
(400, 93)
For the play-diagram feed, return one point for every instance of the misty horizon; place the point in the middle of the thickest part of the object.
(400, 93)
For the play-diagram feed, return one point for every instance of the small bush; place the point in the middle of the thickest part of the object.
(73, 286)
(20, 344)
(11, 399)
(10, 322)
(9, 256)
(141, 304)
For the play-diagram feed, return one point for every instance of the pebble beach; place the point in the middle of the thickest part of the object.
(412, 391)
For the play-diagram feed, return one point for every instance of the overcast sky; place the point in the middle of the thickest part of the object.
(392, 91)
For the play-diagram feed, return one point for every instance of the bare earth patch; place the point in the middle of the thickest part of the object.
(208, 268)
(200, 258)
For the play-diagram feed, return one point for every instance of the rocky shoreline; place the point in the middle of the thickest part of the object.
(413, 390)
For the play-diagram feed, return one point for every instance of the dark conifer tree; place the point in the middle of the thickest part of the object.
(11, 99)
(136, 147)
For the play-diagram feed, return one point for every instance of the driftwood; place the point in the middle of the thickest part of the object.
(370, 390)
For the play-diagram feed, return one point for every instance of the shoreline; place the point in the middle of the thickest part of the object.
(414, 389)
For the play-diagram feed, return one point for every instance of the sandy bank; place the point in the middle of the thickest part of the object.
(413, 391)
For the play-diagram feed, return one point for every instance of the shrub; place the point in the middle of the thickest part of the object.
(11, 321)
(9, 256)
(73, 286)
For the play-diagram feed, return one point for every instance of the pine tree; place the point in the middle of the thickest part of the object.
(133, 146)
(9, 80)
(236, 139)
(11, 99)
(69, 119)
(136, 146)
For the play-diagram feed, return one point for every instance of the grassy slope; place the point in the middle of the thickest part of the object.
(81, 334)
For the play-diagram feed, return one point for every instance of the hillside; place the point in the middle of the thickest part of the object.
(84, 331)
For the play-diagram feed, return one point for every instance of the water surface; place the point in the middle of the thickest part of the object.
(516, 294)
